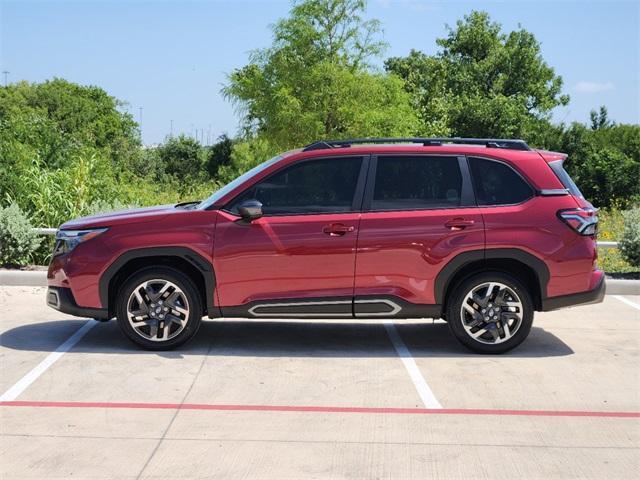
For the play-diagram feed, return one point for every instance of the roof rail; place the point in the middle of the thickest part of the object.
(427, 142)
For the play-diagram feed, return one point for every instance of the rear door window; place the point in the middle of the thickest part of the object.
(496, 183)
(416, 182)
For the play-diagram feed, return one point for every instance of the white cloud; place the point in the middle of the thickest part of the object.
(593, 87)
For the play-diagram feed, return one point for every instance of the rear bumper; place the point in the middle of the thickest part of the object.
(595, 295)
(62, 300)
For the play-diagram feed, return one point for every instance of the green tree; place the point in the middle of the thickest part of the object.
(314, 81)
(605, 162)
(219, 154)
(51, 135)
(482, 82)
(600, 119)
(181, 156)
(56, 118)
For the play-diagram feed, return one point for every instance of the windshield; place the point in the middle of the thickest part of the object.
(218, 194)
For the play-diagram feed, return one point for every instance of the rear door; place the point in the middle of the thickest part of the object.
(297, 260)
(418, 213)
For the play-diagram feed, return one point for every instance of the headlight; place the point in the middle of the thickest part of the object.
(67, 240)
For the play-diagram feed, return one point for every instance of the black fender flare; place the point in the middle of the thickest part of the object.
(457, 263)
(185, 253)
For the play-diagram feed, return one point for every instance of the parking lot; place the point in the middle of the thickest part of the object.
(322, 399)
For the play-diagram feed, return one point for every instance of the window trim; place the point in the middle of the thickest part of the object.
(467, 196)
(356, 204)
(533, 190)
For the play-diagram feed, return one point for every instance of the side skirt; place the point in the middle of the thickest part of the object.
(387, 306)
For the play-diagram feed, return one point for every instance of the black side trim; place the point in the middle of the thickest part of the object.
(459, 261)
(62, 300)
(364, 306)
(195, 259)
(583, 298)
(330, 307)
(390, 306)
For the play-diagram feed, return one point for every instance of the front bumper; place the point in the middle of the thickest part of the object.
(595, 295)
(62, 300)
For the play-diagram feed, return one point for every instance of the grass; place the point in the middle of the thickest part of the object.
(610, 229)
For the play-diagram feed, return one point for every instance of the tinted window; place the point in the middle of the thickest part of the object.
(315, 186)
(416, 182)
(218, 194)
(497, 184)
(564, 177)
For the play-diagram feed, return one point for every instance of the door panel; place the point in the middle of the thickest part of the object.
(284, 257)
(400, 253)
(426, 215)
(300, 257)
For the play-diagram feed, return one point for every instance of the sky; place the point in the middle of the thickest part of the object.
(170, 58)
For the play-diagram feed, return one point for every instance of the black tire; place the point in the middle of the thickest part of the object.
(455, 320)
(187, 287)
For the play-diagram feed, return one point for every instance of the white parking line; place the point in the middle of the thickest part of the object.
(627, 301)
(52, 358)
(426, 395)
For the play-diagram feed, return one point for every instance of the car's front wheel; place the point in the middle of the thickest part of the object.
(490, 312)
(159, 308)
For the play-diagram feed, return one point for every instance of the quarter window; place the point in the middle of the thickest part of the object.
(498, 184)
(315, 186)
(416, 182)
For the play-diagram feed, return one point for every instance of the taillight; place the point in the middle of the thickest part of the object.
(583, 220)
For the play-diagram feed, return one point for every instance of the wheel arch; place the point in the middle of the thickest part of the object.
(184, 259)
(522, 265)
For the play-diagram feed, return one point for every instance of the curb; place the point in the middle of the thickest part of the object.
(22, 278)
(622, 287)
(39, 279)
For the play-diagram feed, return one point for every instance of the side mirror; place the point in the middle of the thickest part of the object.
(250, 210)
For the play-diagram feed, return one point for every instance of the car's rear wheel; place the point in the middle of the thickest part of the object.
(490, 312)
(159, 308)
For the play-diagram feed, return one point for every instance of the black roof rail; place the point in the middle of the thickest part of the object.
(428, 142)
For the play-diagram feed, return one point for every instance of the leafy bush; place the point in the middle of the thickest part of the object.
(630, 243)
(104, 206)
(219, 154)
(182, 156)
(605, 163)
(18, 242)
(244, 156)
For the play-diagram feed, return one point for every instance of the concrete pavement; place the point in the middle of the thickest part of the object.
(580, 363)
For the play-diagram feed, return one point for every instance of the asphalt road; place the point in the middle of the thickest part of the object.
(303, 400)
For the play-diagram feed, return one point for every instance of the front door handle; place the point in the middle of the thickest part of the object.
(337, 229)
(459, 223)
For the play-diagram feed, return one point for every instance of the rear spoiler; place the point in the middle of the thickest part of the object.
(552, 156)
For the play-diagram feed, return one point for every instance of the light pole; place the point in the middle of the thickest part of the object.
(6, 74)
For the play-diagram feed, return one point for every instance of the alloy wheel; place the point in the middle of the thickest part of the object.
(157, 310)
(491, 313)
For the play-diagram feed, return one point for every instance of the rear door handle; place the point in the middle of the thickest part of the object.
(459, 223)
(337, 229)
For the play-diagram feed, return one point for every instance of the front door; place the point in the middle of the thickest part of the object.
(418, 213)
(297, 260)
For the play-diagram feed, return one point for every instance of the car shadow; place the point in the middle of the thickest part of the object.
(258, 338)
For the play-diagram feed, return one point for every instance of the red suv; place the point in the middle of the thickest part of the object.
(478, 232)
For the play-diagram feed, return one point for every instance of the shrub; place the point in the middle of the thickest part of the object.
(630, 243)
(103, 206)
(18, 242)
(219, 154)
